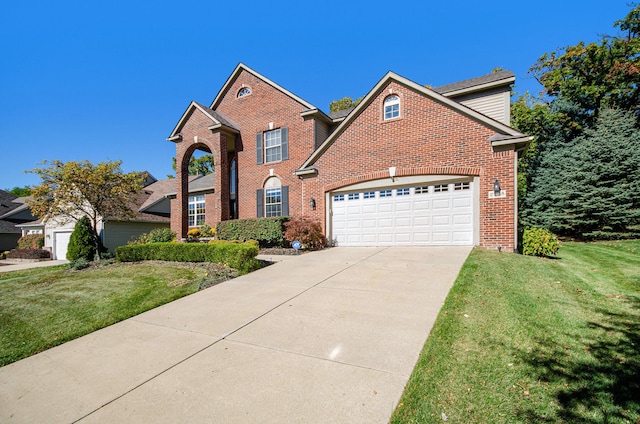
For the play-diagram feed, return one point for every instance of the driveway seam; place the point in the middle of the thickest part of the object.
(304, 355)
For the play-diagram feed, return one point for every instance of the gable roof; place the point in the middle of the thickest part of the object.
(7, 204)
(242, 67)
(513, 136)
(166, 189)
(218, 120)
(483, 82)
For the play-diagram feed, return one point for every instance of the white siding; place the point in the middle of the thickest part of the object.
(493, 103)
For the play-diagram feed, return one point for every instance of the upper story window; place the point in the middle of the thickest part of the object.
(391, 107)
(244, 91)
(272, 146)
(196, 210)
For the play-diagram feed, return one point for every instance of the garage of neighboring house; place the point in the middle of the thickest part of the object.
(61, 244)
(436, 212)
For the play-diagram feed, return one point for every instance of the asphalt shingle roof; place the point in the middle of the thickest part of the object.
(472, 82)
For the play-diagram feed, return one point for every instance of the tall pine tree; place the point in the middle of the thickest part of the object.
(591, 183)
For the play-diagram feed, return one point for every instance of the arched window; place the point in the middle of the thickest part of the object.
(244, 91)
(391, 107)
(273, 197)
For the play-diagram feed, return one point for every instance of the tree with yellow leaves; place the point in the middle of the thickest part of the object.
(68, 191)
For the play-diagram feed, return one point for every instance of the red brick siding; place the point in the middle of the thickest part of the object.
(252, 114)
(429, 138)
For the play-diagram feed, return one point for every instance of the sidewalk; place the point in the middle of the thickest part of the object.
(325, 337)
(7, 265)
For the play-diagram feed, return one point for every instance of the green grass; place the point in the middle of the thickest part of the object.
(44, 307)
(530, 340)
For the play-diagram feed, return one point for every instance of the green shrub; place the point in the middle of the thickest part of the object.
(82, 243)
(241, 256)
(306, 231)
(29, 254)
(80, 263)
(539, 242)
(269, 232)
(31, 241)
(161, 235)
(4, 254)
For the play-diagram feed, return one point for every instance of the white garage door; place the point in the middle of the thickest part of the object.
(433, 214)
(61, 242)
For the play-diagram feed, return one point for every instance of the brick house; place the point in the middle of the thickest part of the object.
(410, 165)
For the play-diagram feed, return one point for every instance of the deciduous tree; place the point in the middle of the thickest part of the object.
(71, 190)
(597, 74)
(199, 166)
(20, 191)
(343, 104)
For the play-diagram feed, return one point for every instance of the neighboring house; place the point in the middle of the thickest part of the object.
(152, 207)
(409, 165)
(9, 234)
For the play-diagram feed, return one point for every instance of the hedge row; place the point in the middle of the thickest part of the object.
(269, 232)
(31, 241)
(240, 256)
(29, 254)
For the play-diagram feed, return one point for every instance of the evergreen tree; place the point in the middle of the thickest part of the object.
(590, 183)
(82, 243)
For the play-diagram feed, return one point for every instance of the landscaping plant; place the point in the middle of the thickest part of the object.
(82, 243)
(306, 231)
(539, 242)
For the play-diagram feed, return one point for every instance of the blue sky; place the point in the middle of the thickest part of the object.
(102, 80)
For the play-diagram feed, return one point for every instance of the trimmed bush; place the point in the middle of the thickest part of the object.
(31, 241)
(269, 232)
(82, 243)
(29, 254)
(306, 231)
(240, 256)
(539, 242)
(161, 235)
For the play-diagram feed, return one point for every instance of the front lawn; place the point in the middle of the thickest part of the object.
(44, 307)
(529, 340)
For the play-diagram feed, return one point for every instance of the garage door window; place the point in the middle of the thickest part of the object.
(354, 196)
(439, 188)
(462, 186)
(338, 198)
(369, 194)
(422, 190)
(385, 193)
(402, 191)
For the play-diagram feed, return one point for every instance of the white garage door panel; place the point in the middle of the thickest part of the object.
(61, 240)
(438, 214)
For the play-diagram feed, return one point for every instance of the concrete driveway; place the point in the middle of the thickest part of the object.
(326, 337)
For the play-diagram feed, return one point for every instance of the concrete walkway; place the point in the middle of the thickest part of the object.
(325, 337)
(8, 265)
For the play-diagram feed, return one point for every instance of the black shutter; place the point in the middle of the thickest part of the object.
(259, 149)
(285, 201)
(259, 202)
(284, 138)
